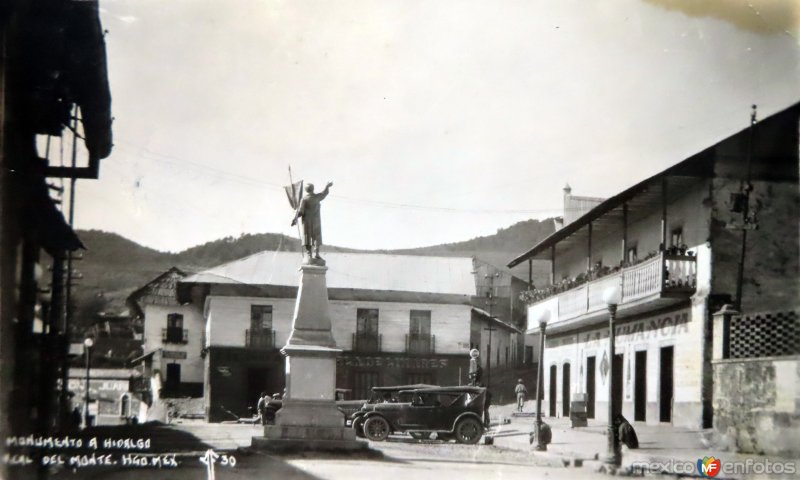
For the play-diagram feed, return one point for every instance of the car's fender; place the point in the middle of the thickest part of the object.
(465, 415)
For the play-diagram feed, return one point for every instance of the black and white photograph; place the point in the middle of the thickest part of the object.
(561, 239)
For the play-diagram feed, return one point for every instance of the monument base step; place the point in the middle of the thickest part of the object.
(289, 445)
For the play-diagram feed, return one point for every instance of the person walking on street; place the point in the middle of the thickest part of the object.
(521, 391)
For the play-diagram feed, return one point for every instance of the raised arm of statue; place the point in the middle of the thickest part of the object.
(327, 189)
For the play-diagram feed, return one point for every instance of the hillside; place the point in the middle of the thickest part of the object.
(113, 266)
(498, 249)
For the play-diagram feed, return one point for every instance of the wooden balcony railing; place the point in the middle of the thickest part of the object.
(664, 275)
(260, 339)
(417, 343)
(366, 342)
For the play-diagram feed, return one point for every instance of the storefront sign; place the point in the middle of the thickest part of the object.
(391, 362)
(173, 354)
(654, 328)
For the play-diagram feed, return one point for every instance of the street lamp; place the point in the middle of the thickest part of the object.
(87, 348)
(541, 444)
(612, 297)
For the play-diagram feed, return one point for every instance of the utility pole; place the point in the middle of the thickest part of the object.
(490, 304)
(741, 203)
(68, 311)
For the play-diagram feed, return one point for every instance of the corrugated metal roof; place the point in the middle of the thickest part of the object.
(365, 271)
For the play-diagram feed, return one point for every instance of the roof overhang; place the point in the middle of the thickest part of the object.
(639, 200)
(774, 158)
(490, 318)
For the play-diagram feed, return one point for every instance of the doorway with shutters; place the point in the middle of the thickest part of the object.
(565, 393)
(640, 387)
(590, 386)
(665, 380)
(552, 390)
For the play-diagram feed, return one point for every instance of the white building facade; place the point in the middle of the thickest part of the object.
(398, 319)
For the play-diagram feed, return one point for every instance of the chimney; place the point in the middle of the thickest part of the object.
(567, 197)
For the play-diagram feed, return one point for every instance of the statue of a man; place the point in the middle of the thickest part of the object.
(309, 210)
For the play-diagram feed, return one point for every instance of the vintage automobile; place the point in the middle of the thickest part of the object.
(451, 412)
(389, 394)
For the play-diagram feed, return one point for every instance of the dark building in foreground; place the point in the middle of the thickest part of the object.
(53, 86)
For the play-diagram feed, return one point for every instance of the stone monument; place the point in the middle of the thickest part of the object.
(309, 418)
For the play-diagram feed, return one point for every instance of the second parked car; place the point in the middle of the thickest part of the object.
(451, 412)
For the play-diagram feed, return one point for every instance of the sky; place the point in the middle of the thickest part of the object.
(437, 121)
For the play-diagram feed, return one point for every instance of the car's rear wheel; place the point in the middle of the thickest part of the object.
(358, 426)
(468, 431)
(376, 429)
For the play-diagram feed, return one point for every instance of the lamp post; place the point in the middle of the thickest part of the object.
(87, 348)
(612, 296)
(541, 445)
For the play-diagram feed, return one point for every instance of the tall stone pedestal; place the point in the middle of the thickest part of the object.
(309, 418)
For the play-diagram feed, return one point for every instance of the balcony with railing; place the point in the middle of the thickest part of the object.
(259, 339)
(366, 342)
(174, 335)
(420, 343)
(661, 280)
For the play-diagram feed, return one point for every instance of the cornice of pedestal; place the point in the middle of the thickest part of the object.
(310, 351)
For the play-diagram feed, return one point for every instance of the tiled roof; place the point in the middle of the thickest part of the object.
(159, 291)
(363, 271)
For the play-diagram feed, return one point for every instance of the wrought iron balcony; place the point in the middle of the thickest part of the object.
(660, 279)
(174, 335)
(366, 342)
(420, 343)
(261, 339)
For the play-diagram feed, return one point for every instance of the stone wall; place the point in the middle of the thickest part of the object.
(757, 405)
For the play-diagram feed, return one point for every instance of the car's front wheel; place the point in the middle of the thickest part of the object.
(376, 429)
(468, 431)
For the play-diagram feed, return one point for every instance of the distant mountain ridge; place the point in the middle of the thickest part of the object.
(113, 266)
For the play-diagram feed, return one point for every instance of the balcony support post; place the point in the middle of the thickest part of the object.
(624, 233)
(664, 213)
(589, 250)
